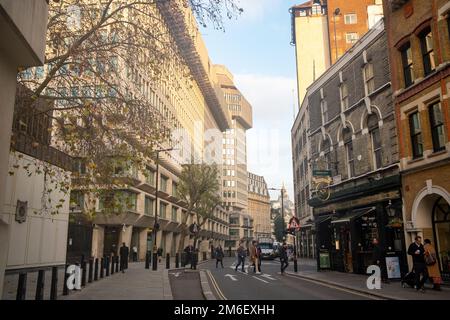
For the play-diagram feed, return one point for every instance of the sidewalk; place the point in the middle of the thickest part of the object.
(357, 282)
(137, 283)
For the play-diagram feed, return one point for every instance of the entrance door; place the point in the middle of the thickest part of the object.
(441, 228)
(347, 247)
(111, 240)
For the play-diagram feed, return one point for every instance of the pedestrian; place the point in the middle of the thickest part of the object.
(159, 252)
(124, 252)
(240, 253)
(219, 256)
(135, 254)
(284, 257)
(432, 266)
(378, 259)
(229, 251)
(187, 254)
(252, 254)
(417, 251)
(258, 258)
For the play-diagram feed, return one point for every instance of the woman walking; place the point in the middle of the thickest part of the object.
(219, 256)
(432, 265)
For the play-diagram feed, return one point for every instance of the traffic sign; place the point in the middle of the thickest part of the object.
(294, 224)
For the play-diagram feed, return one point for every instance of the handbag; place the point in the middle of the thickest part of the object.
(430, 259)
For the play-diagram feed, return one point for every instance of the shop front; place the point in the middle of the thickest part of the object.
(306, 241)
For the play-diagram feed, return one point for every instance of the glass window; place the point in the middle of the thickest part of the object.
(416, 135)
(163, 186)
(149, 206)
(374, 130)
(351, 37)
(76, 200)
(324, 106)
(426, 43)
(407, 63)
(174, 213)
(344, 96)
(347, 135)
(437, 126)
(150, 176)
(162, 210)
(369, 78)
(350, 18)
(174, 189)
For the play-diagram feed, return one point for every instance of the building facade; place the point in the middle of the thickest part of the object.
(22, 44)
(419, 45)
(354, 151)
(259, 206)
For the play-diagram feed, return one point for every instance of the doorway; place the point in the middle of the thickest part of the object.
(441, 231)
(111, 240)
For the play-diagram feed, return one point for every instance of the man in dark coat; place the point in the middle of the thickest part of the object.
(378, 259)
(124, 252)
(417, 251)
(284, 257)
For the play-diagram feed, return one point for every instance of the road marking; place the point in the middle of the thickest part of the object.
(336, 288)
(268, 276)
(176, 274)
(216, 286)
(231, 277)
(260, 279)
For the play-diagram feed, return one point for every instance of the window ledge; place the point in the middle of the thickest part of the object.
(416, 160)
(437, 153)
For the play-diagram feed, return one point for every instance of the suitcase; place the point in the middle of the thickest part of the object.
(408, 280)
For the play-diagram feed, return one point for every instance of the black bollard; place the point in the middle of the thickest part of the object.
(40, 285)
(295, 265)
(83, 273)
(54, 284)
(96, 270)
(91, 266)
(177, 260)
(168, 261)
(155, 261)
(66, 276)
(22, 287)
(117, 264)
(102, 268)
(147, 260)
(107, 266)
(112, 265)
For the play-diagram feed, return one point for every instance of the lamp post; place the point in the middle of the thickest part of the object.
(156, 225)
(335, 13)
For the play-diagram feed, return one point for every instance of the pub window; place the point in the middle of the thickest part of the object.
(348, 143)
(369, 79)
(407, 64)
(426, 43)
(437, 126)
(374, 130)
(416, 135)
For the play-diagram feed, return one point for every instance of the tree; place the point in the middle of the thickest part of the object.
(199, 188)
(279, 227)
(104, 61)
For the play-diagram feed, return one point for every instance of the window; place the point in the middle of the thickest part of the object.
(348, 143)
(118, 201)
(149, 205)
(234, 232)
(350, 18)
(174, 189)
(437, 126)
(79, 166)
(351, 37)
(150, 176)
(416, 135)
(374, 130)
(76, 200)
(327, 154)
(162, 210)
(163, 186)
(344, 96)
(324, 106)
(369, 79)
(316, 9)
(407, 63)
(174, 213)
(426, 43)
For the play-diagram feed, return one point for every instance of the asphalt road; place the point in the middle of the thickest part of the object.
(180, 280)
(270, 285)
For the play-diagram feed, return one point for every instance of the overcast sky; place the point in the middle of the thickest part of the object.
(256, 49)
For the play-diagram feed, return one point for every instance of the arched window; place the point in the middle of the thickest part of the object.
(374, 131)
(348, 143)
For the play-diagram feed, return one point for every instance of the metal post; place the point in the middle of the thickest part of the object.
(102, 267)
(54, 284)
(112, 265)
(147, 262)
(282, 209)
(91, 264)
(107, 266)
(295, 253)
(96, 270)
(66, 276)
(22, 287)
(155, 229)
(168, 261)
(177, 260)
(83, 273)
(40, 285)
(117, 264)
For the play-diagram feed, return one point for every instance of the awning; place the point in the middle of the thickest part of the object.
(353, 215)
(320, 219)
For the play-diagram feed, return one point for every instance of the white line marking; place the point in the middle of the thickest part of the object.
(231, 277)
(260, 279)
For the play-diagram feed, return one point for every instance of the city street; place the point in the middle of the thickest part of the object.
(271, 285)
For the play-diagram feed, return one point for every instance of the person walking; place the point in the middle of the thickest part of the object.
(378, 258)
(123, 252)
(135, 254)
(417, 251)
(284, 257)
(258, 258)
(432, 265)
(252, 254)
(240, 253)
(219, 256)
(159, 252)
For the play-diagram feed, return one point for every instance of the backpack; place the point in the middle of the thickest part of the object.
(430, 259)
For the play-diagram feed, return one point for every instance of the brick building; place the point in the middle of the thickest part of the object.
(418, 34)
(353, 145)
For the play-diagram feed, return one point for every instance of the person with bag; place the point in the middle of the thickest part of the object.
(432, 266)
(240, 253)
(219, 255)
(417, 251)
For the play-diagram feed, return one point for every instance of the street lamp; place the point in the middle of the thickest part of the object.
(336, 13)
(156, 225)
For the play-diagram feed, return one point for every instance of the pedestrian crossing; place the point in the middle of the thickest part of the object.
(262, 277)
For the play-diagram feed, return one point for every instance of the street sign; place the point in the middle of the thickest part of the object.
(294, 224)
(323, 173)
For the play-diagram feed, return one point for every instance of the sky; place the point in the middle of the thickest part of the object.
(256, 48)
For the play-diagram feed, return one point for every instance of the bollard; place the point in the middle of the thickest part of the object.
(155, 261)
(83, 273)
(107, 266)
(96, 270)
(22, 287)
(40, 285)
(112, 265)
(66, 276)
(91, 265)
(177, 260)
(102, 268)
(54, 284)
(168, 261)
(147, 262)
(117, 264)
(295, 265)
